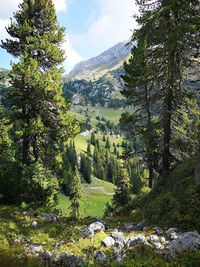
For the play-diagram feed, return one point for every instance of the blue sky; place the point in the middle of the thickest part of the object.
(92, 26)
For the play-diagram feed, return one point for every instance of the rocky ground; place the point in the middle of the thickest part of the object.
(98, 242)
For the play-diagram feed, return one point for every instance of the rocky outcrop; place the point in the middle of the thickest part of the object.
(189, 241)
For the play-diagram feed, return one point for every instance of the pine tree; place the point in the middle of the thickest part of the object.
(39, 111)
(89, 152)
(167, 44)
(107, 145)
(75, 196)
(85, 168)
(140, 93)
(93, 139)
(122, 193)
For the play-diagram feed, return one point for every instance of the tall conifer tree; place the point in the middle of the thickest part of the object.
(39, 111)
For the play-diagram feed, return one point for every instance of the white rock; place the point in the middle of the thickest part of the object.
(108, 242)
(99, 255)
(117, 236)
(87, 233)
(97, 226)
(153, 238)
(35, 249)
(34, 224)
(158, 245)
(171, 231)
(49, 217)
(187, 241)
(136, 240)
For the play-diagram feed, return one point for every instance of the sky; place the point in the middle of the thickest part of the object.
(92, 26)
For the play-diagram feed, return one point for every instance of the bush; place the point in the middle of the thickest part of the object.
(32, 184)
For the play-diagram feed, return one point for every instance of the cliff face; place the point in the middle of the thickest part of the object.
(97, 81)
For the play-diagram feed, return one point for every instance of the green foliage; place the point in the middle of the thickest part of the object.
(85, 168)
(32, 184)
(122, 193)
(38, 114)
(175, 200)
(75, 196)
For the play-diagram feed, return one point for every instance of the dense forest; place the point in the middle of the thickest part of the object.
(105, 182)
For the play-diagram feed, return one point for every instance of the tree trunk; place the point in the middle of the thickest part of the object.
(197, 170)
(167, 131)
(151, 174)
(25, 150)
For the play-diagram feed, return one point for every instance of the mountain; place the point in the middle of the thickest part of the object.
(103, 62)
(97, 81)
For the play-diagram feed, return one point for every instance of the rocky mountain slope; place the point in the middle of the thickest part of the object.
(97, 81)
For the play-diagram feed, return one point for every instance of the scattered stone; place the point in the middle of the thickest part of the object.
(189, 241)
(87, 233)
(171, 231)
(117, 236)
(158, 231)
(174, 236)
(18, 240)
(138, 227)
(69, 260)
(127, 227)
(163, 240)
(158, 246)
(108, 242)
(118, 246)
(99, 255)
(98, 219)
(49, 217)
(97, 226)
(34, 224)
(153, 238)
(46, 256)
(35, 249)
(136, 240)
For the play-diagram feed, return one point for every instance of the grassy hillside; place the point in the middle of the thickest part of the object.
(94, 200)
(173, 202)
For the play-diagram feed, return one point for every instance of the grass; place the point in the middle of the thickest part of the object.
(94, 200)
(110, 114)
(173, 202)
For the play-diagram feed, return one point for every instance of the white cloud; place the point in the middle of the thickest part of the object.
(60, 5)
(7, 10)
(114, 24)
(3, 33)
(72, 56)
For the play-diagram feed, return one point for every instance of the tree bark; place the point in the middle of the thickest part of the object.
(197, 170)
(167, 131)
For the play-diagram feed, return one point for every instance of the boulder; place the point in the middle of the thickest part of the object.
(118, 247)
(108, 242)
(87, 233)
(189, 241)
(99, 255)
(97, 226)
(49, 217)
(34, 224)
(158, 231)
(153, 239)
(138, 227)
(98, 219)
(158, 246)
(171, 232)
(46, 256)
(35, 249)
(118, 236)
(136, 240)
